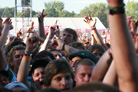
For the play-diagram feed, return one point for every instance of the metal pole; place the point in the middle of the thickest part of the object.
(15, 15)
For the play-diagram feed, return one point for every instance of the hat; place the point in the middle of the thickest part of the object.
(83, 54)
(16, 84)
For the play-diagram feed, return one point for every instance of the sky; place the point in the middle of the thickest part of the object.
(70, 5)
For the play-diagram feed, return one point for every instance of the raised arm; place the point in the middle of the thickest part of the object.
(123, 49)
(91, 23)
(51, 33)
(7, 25)
(111, 75)
(102, 67)
(41, 24)
(23, 71)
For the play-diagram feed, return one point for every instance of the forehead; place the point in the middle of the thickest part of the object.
(84, 69)
(76, 59)
(39, 69)
(97, 51)
(56, 52)
(63, 74)
(67, 33)
(19, 51)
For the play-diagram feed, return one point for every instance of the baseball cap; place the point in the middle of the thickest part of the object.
(83, 54)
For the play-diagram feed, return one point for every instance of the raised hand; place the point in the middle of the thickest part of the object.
(41, 16)
(31, 27)
(8, 23)
(132, 24)
(19, 33)
(53, 30)
(31, 43)
(88, 19)
(57, 44)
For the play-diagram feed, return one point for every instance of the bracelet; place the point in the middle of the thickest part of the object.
(116, 7)
(93, 28)
(63, 47)
(27, 57)
(28, 54)
(117, 11)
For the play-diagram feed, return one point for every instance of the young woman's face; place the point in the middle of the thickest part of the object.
(62, 81)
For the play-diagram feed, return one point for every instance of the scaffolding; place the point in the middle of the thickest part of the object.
(21, 8)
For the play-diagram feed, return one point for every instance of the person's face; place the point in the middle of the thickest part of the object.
(3, 80)
(73, 62)
(62, 81)
(67, 38)
(19, 89)
(87, 45)
(38, 77)
(57, 54)
(98, 53)
(83, 74)
(17, 57)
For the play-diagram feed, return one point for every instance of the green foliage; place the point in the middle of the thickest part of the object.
(7, 12)
(96, 10)
(56, 9)
(132, 9)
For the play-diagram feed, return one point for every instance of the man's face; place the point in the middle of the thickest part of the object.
(62, 81)
(83, 74)
(67, 38)
(87, 45)
(17, 57)
(73, 62)
(38, 77)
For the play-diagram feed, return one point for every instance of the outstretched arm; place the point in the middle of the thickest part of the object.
(123, 50)
(41, 24)
(88, 19)
(7, 25)
(23, 71)
(111, 76)
(101, 67)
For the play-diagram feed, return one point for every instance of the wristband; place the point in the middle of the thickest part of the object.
(28, 54)
(26, 58)
(93, 28)
(117, 11)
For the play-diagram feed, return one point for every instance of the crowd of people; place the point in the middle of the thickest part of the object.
(55, 62)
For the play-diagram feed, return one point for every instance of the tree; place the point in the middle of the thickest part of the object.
(56, 9)
(132, 9)
(7, 12)
(96, 10)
